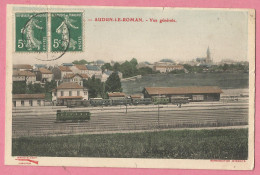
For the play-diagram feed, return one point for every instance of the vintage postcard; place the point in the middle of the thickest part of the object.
(130, 87)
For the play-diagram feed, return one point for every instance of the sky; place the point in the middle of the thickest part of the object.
(225, 32)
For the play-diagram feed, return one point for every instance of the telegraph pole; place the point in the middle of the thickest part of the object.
(158, 116)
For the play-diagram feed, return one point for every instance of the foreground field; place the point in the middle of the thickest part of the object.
(181, 144)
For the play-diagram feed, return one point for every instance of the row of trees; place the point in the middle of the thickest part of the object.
(128, 68)
(217, 68)
(20, 87)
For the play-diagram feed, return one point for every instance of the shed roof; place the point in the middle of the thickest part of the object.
(28, 96)
(116, 94)
(70, 97)
(136, 96)
(182, 90)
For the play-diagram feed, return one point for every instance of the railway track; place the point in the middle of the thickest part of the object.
(42, 121)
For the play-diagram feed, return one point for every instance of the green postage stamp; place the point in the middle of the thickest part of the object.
(66, 32)
(31, 32)
(34, 32)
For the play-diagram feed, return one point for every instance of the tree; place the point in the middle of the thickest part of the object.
(49, 86)
(34, 89)
(80, 62)
(225, 67)
(167, 60)
(134, 62)
(19, 87)
(116, 67)
(95, 87)
(145, 71)
(106, 66)
(113, 83)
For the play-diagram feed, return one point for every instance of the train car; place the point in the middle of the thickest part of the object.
(144, 101)
(85, 103)
(100, 102)
(78, 103)
(179, 100)
(160, 100)
(126, 101)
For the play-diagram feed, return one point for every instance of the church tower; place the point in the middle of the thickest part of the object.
(208, 59)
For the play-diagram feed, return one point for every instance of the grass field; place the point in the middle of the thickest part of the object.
(178, 144)
(223, 80)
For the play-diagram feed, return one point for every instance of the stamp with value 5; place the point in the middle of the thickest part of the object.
(31, 32)
(66, 32)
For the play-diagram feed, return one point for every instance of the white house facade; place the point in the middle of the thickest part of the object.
(28, 77)
(79, 69)
(69, 91)
(76, 78)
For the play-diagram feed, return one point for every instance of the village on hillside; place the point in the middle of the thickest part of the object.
(45, 85)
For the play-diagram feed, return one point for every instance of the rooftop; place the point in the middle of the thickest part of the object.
(136, 96)
(70, 97)
(23, 73)
(116, 94)
(65, 68)
(91, 67)
(45, 71)
(22, 66)
(67, 64)
(69, 85)
(40, 65)
(81, 66)
(183, 90)
(28, 96)
(72, 75)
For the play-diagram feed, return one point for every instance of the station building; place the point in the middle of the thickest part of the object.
(194, 93)
(69, 91)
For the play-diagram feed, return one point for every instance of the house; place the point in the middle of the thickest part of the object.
(28, 77)
(195, 93)
(28, 100)
(22, 67)
(116, 95)
(69, 91)
(165, 68)
(79, 69)
(77, 78)
(60, 71)
(44, 75)
(94, 70)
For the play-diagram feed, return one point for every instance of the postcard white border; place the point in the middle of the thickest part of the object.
(132, 162)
